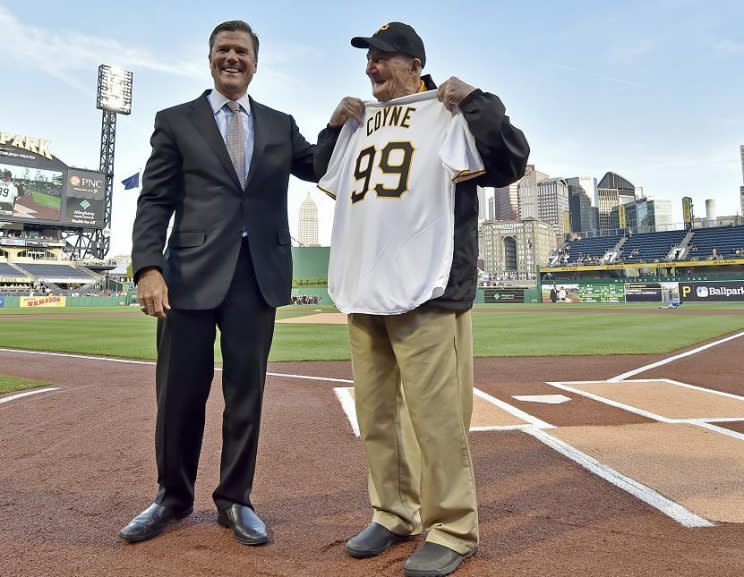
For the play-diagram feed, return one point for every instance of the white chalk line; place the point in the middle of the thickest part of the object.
(646, 494)
(535, 429)
(720, 430)
(347, 403)
(662, 362)
(629, 408)
(27, 394)
(566, 386)
(152, 363)
(512, 410)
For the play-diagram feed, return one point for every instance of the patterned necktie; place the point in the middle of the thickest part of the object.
(235, 141)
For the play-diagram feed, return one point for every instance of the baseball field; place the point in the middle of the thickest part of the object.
(607, 440)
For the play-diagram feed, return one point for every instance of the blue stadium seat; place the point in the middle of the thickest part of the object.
(56, 271)
(8, 271)
(651, 246)
(725, 239)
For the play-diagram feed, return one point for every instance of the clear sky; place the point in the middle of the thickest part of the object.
(651, 89)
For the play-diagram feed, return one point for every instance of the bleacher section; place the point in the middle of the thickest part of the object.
(728, 242)
(588, 249)
(10, 272)
(57, 273)
(651, 246)
(725, 239)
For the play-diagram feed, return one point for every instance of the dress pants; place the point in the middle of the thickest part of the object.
(413, 390)
(184, 373)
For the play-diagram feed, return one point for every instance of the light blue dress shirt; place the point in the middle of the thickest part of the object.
(223, 116)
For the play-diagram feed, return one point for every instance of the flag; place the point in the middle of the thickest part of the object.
(131, 182)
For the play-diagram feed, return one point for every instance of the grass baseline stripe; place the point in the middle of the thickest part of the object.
(662, 362)
(646, 494)
(27, 394)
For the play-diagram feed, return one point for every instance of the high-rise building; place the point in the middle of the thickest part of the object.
(741, 151)
(527, 192)
(491, 208)
(483, 198)
(642, 215)
(307, 229)
(588, 183)
(612, 190)
(506, 202)
(553, 204)
(582, 212)
(512, 249)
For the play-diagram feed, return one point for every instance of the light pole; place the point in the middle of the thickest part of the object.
(114, 97)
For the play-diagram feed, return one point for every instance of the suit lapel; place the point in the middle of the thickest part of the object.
(203, 119)
(260, 132)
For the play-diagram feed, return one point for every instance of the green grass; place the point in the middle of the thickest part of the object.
(498, 331)
(46, 200)
(13, 384)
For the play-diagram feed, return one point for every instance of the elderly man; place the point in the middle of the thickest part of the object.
(404, 173)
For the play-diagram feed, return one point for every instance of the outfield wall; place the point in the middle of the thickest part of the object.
(715, 289)
(15, 302)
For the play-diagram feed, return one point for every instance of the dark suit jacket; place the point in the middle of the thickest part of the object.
(190, 173)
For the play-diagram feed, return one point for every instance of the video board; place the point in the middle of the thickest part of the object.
(36, 187)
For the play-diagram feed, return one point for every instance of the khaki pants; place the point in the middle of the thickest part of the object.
(413, 382)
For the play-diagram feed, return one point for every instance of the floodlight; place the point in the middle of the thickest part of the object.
(114, 89)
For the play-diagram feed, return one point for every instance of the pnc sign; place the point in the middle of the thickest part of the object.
(76, 180)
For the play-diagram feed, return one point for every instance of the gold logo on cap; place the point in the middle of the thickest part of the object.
(384, 27)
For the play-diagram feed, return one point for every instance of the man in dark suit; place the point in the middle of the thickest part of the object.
(221, 165)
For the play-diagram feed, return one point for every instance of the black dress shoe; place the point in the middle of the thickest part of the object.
(246, 525)
(373, 540)
(152, 522)
(434, 560)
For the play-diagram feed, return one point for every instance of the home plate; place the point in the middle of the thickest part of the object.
(546, 399)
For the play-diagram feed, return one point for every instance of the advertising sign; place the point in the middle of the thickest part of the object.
(601, 293)
(85, 192)
(687, 214)
(38, 302)
(712, 291)
(503, 295)
(643, 292)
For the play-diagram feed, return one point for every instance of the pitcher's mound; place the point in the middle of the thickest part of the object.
(318, 319)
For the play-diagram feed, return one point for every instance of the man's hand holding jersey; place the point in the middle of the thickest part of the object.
(453, 91)
(349, 107)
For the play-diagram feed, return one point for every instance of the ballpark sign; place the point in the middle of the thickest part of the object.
(712, 291)
(38, 146)
(38, 302)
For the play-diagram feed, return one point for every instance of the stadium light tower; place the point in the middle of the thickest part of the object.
(114, 97)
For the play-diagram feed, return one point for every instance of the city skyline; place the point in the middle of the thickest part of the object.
(663, 114)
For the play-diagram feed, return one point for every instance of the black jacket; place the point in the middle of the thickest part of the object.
(190, 174)
(504, 151)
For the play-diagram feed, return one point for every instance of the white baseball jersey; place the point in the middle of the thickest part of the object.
(8, 192)
(393, 177)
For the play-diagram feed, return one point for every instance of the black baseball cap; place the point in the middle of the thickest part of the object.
(394, 37)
